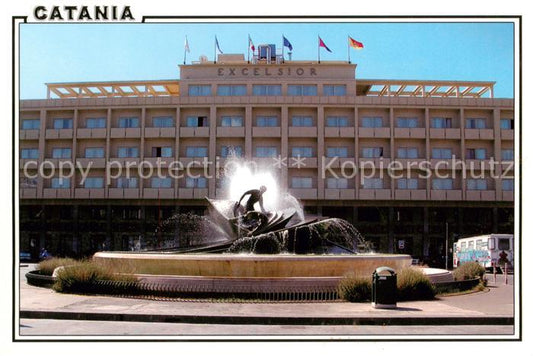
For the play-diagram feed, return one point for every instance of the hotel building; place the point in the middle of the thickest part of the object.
(319, 126)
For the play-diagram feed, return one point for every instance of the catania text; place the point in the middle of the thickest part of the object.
(83, 13)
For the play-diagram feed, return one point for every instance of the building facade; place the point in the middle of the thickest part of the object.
(404, 161)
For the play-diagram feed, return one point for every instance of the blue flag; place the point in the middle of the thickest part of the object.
(287, 44)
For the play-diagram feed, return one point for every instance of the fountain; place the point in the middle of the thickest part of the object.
(275, 251)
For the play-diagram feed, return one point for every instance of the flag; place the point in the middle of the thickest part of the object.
(287, 44)
(355, 44)
(322, 44)
(251, 44)
(217, 46)
(187, 49)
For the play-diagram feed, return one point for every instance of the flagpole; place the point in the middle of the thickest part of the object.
(248, 44)
(319, 49)
(185, 51)
(349, 61)
(215, 57)
(282, 48)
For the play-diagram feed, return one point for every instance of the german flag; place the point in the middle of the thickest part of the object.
(355, 44)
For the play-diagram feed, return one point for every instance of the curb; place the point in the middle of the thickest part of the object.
(266, 320)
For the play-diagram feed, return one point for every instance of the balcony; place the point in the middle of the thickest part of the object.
(158, 193)
(339, 132)
(410, 194)
(479, 134)
(194, 131)
(125, 132)
(507, 134)
(29, 134)
(334, 194)
(507, 195)
(28, 193)
(302, 132)
(337, 162)
(123, 193)
(481, 195)
(375, 194)
(157, 132)
(416, 132)
(229, 132)
(192, 193)
(445, 133)
(446, 194)
(89, 193)
(304, 193)
(91, 133)
(374, 132)
(59, 133)
(266, 131)
(52, 193)
(91, 162)
(302, 162)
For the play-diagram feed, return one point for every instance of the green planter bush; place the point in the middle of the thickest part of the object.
(355, 289)
(469, 270)
(413, 284)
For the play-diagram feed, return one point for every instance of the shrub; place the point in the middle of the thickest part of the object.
(469, 270)
(355, 289)
(47, 267)
(82, 276)
(413, 284)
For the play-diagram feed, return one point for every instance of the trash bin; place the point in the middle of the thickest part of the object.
(384, 292)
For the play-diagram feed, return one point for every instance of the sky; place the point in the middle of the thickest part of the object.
(472, 51)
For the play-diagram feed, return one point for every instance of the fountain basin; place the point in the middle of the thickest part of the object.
(251, 266)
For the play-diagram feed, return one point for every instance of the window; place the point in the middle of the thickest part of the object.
(94, 183)
(267, 90)
(128, 122)
(476, 184)
(60, 183)
(61, 153)
(302, 121)
(128, 152)
(196, 151)
(407, 183)
(197, 121)
(372, 152)
(199, 182)
(341, 152)
(29, 153)
(231, 151)
(199, 90)
(302, 182)
(94, 152)
(263, 151)
(335, 90)
(62, 124)
(481, 244)
(407, 122)
(508, 154)
(337, 183)
(407, 152)
(337, 121)
(507, 124)
(161, 182)
(373, 183)
(95, 122)
(470, 245)
(302, 90)
(267, 121)
(507, 185)
(163, 121)
(442, 184)
(476, 123)
(441, 153)
(504, 244)
(162, 151)
(441, 122)
(125, 182)
(31, 124)
(231, 121)
(476, 153)
(231, 90)
(372, 122)
(302, 152)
